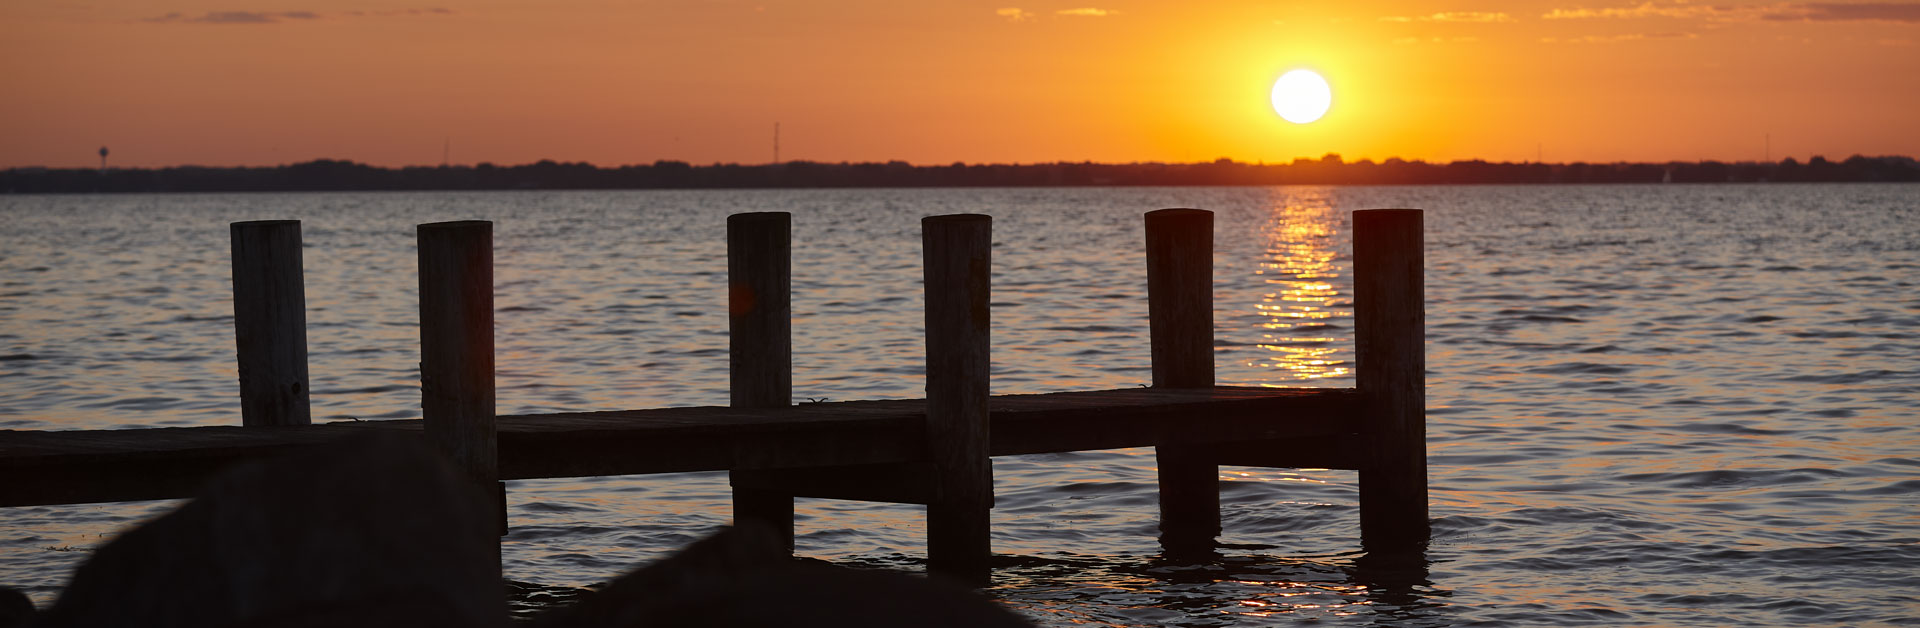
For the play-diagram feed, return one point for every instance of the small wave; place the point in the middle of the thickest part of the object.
(17, 357)
(1847, 378)
(1590, 368)
(1904, 487)
(1731, 428)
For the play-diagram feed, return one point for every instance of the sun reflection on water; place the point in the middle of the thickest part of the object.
(1303, 312)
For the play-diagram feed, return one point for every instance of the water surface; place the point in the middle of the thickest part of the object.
(1653, 405)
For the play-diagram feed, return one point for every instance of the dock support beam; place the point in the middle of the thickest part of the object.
(760, 347)
(270, 323)
(1389, 312)
(1180, 320)
(958, 265)
(456, 350)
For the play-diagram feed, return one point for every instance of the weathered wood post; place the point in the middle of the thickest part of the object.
(456, 349)
(1180, 321)
(270, 323)
(1389, 311)
(958, 270)
(760, 345)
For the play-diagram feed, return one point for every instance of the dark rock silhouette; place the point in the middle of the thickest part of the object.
(15, 608)
(379, 530)
(743, 578)
(376, 531)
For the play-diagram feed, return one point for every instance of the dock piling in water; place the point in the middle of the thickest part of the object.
(760, 347)
(1389, 311)
(270, 323)
(1180, 325)
(456, 349)
(958, 254)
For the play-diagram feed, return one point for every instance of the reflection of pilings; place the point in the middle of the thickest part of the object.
(1390, 338)
(1180, 319)
(1392, 581)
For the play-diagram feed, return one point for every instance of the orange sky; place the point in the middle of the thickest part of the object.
(263, 82)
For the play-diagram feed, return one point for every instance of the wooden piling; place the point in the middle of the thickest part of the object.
(760, 347)
(456, 349)
(958, 271)
(1180, 322)
(270, 323)
(1389, 314)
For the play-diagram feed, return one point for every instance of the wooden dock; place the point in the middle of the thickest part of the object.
(934, 452)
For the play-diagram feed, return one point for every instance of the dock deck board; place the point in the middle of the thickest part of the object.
(53, 467)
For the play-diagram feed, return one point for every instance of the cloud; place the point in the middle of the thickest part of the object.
(1013, 15)
(1862, 12)
(1407, 41)
(275, 17)
(1903, 12)
(234, 17)
(1087, 12)
(1644, 10)
(1455, 16)
(1614, 39)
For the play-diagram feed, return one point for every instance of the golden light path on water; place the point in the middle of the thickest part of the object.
(1303, 306)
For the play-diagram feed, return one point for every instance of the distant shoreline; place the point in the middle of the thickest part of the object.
(332, 175)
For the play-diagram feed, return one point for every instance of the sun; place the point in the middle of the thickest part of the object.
(1301, 96)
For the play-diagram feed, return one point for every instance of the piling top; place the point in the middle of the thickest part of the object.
(1386, 214)
(264, 223)
(955, 218)
(457, 226)
(759, 217)
(1177, 212)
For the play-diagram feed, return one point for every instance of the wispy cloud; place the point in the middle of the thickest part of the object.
(1863, 12)
(1644, 10)
(1455, 16)
(1013, 15)
(401, 12)
(275, 17)
(1408, 41)
(1614, 39)
(1903, 12)
(1087, 12)
(233, 17)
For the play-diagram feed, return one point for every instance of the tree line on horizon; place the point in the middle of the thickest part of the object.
(335, 175)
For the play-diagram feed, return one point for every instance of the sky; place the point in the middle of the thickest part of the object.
(267, 82)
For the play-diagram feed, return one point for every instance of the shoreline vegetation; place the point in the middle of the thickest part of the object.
(335, 175)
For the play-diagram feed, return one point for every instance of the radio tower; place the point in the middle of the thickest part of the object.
(776, 143)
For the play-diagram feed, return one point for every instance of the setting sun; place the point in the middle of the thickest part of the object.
(1301, 96)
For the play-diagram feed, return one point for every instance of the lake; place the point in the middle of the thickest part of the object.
(1670, 405)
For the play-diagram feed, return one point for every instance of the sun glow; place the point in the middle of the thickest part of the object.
(1301, 96)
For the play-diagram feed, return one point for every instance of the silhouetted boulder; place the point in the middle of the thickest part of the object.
(15, 608)
(743, 578)
(375, 531)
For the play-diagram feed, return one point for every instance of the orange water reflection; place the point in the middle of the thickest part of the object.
(1303, 310)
